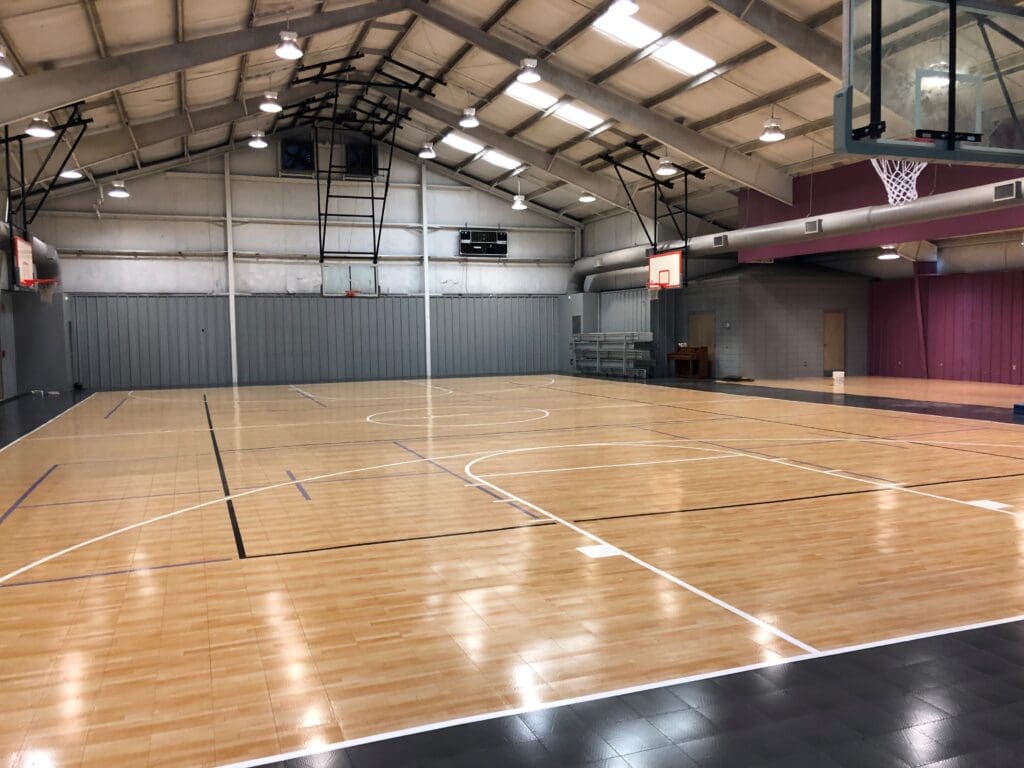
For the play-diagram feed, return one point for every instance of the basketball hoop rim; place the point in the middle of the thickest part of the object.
(34, 281)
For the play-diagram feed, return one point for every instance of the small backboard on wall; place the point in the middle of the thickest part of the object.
(665, 270)
(25, 268)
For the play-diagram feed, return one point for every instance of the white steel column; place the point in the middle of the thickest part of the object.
(426, 266)
(229, 237)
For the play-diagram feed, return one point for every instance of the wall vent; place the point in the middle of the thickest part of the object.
(812, 227)
(1008, 191)
(721, 241)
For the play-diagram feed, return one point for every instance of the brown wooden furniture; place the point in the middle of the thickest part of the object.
(690, 362)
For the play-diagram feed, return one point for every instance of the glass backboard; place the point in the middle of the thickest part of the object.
(907, 62)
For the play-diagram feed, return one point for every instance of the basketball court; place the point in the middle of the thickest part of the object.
(442, 383)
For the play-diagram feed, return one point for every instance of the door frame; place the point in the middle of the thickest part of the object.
(837, 311)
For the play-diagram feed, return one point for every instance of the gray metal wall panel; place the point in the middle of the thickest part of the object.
(627, 310)
(136, 342)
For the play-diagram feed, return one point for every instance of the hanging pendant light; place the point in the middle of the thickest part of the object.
(72, 174)
(6, 70)
(889, 253)
(587, 197)
(528, 73)
(427, 151)
(40, 128)
(258, 140)
(666, 167)
(270, 103)
(468, 119)
(519, 203)
(288, 48)
(118, 190)
(624, 8)
(772, 129)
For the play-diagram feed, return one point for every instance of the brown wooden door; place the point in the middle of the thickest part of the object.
(701, 333)
(834, 342)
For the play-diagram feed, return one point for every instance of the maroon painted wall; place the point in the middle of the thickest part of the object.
(856, 186)
(973, 327)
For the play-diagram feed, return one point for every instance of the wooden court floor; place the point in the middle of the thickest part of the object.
(200, 577)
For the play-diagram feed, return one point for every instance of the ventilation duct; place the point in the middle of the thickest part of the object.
(980, 199)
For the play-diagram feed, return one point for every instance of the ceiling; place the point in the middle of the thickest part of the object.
(746, 73)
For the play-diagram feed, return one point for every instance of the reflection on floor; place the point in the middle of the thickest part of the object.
(950, 701)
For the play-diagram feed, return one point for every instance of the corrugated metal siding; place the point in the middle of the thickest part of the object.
(972, 327)
(133, 342)
(627, 310)
(489, 335)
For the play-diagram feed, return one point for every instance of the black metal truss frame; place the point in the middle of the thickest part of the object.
(660, 185)
(75, 123)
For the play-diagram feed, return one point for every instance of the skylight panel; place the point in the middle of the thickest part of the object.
(683, 58)
(528, 94)
(578, 116)
(461, 143)
(627, 30)
(494, 157)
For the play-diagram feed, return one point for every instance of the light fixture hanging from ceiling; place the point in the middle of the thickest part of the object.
(772, 129)
(40, 128)
(624, 8)
(889, 253)
(6, 70)
(468, 119)
(519, 199)
(666, 167)
(288, 48)
(270, 103)
(118, 189)
(258, 140)
(72, 174)
(587, 197)
(528, 73)
(427, 151)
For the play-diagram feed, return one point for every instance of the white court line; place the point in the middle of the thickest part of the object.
(610, 466)
(468, 471)
(373, 418)
(47, 422)
(512, 711)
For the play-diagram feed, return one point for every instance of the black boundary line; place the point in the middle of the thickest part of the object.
(540, 524)
(239, 544)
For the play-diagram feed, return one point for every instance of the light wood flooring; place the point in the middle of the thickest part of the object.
(400, 553)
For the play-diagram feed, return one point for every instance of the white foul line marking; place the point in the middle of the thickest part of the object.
(612, 466)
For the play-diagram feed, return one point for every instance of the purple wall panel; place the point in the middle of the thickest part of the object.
(974, 327)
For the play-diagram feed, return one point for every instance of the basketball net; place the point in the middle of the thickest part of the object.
(899, 177)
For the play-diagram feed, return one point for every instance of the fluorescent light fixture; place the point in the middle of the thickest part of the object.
(288, 48)
(626, 30)
(462, 144)
(539, 99)
(683, 58)
(72, 174)
(257, 140)
(270, 103)
(578, 116)
(494, 157)
(528, 73)
(772, 131)
(519, 203)
(118, 189)
(587, 197)
(624, 8)
(666, 167)
(889, 253)
(636, 34)
(527, 94)
(427, 151)
(40, 128)
(468, 119)
(5, 67)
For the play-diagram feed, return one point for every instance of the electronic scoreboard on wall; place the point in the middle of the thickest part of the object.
(483, 242)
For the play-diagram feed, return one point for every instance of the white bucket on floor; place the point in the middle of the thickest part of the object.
(838, 377)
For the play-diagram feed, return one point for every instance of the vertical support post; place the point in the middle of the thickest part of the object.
(876, 63)
(686, 230)
(426, 266)
(229, 237)
(7, 174)
(951, 105)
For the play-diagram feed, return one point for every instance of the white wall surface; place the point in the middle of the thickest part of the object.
(169, 236)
